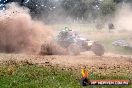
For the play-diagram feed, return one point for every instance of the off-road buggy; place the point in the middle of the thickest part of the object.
(122, 43)
(75, 44)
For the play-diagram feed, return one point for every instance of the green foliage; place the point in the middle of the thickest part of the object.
(74, 8)
(84, 10)
(40, 7)
(108, 7)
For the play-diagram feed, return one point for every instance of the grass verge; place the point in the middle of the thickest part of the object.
(33, 76)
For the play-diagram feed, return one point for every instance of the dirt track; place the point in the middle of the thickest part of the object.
(87, 59)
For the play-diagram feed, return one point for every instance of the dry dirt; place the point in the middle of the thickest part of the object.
(84, 59)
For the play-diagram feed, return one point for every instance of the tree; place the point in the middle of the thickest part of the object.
(118, 1)
(40, 8)
(107, 7)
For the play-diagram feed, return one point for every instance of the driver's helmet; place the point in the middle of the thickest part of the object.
(67, 29)
(64, 32)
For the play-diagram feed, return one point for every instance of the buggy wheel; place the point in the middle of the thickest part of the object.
(98, 49)
(73, 49)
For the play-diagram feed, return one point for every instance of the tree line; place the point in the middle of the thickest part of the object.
(74, 10)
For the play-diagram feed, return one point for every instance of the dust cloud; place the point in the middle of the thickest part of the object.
(123, 17)
(19, 33)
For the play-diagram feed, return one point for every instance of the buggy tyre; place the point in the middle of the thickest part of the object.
(73, 49)
(98, 49)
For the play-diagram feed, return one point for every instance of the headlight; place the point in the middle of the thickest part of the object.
(90, 43)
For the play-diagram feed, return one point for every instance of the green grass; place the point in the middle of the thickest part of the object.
(33, 76)
(37, 77)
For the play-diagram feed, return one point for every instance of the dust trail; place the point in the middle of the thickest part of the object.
(123, 17)
(19, 33)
